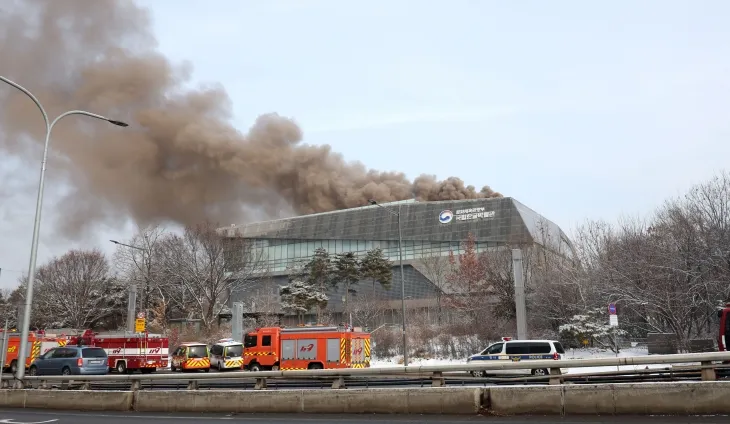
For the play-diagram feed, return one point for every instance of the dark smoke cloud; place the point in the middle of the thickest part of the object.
(180, 160)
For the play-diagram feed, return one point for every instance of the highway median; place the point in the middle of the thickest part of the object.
(688, 398)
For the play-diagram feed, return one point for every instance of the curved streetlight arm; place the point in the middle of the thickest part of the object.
(32, 97)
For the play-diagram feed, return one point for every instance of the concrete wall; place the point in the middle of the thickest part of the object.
(610, 399)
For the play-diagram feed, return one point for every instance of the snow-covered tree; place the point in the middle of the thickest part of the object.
(593, 326)
(299, 297)
(75, 290)
(318, 273)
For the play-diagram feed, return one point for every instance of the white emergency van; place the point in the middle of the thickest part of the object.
(226, 354)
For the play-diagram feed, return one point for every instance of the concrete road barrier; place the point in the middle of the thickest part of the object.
(67, 400)
(690, 398)
(609, 399)
(359, 401)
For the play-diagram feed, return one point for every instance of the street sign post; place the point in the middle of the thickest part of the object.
(139, 325)
(613, 320)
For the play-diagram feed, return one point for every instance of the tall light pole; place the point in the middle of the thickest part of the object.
(23, 352)
(147, 263)
(402, 278)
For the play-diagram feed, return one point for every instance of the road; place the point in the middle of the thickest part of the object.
(27, 416)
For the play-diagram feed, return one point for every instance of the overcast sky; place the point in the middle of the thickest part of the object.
(580, 110)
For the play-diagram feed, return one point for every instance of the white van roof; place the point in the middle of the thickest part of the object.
(228, 343)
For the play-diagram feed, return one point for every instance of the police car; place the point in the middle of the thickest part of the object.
(519, 350)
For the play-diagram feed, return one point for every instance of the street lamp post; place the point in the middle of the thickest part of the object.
(23, 351)
(147, 263)
(402, 278)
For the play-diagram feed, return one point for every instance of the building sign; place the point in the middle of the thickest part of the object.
(446, 216)
(470, 214)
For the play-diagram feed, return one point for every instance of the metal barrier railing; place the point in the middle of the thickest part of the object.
(435, 372)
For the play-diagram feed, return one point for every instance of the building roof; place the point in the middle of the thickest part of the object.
(503, 221)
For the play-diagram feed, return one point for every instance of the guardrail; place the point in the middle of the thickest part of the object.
(436, 372)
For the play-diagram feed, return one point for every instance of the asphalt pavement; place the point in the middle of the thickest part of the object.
(28, 416)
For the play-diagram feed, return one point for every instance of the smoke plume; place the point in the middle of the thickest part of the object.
(180, 160)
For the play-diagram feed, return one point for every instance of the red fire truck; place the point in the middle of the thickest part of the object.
(128, 352)
(301, 348)
(723, 338)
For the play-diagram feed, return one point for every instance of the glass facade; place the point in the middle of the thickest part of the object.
(428, 229)
(283, 253)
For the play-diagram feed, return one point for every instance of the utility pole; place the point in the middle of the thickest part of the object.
(520, 308)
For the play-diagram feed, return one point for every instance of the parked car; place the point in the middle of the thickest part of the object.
(71, 360)
(519, 350)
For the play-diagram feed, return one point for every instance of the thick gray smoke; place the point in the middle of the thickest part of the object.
(180, 160)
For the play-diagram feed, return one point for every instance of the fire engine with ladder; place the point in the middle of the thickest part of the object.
(128, 352)
(301, 348)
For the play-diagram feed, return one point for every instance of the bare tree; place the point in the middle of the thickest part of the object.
(265, 304)
(368, 308)
(138, 261)
(436, 269)
(211, 267)
(75, 290)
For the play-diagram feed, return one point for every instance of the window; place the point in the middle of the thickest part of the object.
(518, 348)
(494, 349)
(234, 351)
(93, 352)
(249, 341)
(64, 353)
(49, 354)
(559, 348)
(197, 351)
(216, 350)
(540, 348)
(266, 341)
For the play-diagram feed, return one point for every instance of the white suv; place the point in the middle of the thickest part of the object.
(519, 350)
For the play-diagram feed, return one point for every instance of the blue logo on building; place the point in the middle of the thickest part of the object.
(446, 216)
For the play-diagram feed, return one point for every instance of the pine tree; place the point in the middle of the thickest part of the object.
(347, 271)
(376, 267)
(319, 272)
(299, 297)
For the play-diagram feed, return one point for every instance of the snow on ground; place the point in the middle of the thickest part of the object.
(569, 354)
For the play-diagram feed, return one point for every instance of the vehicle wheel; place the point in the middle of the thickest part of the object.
(13, 367)
(121, 367)
(172, 368)
(33, 370)
(315, 366)
(275, 368)
(220, 366)
(66, 371)
(207, 370)
(254, 367)
(147, 370)
(540, 372)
